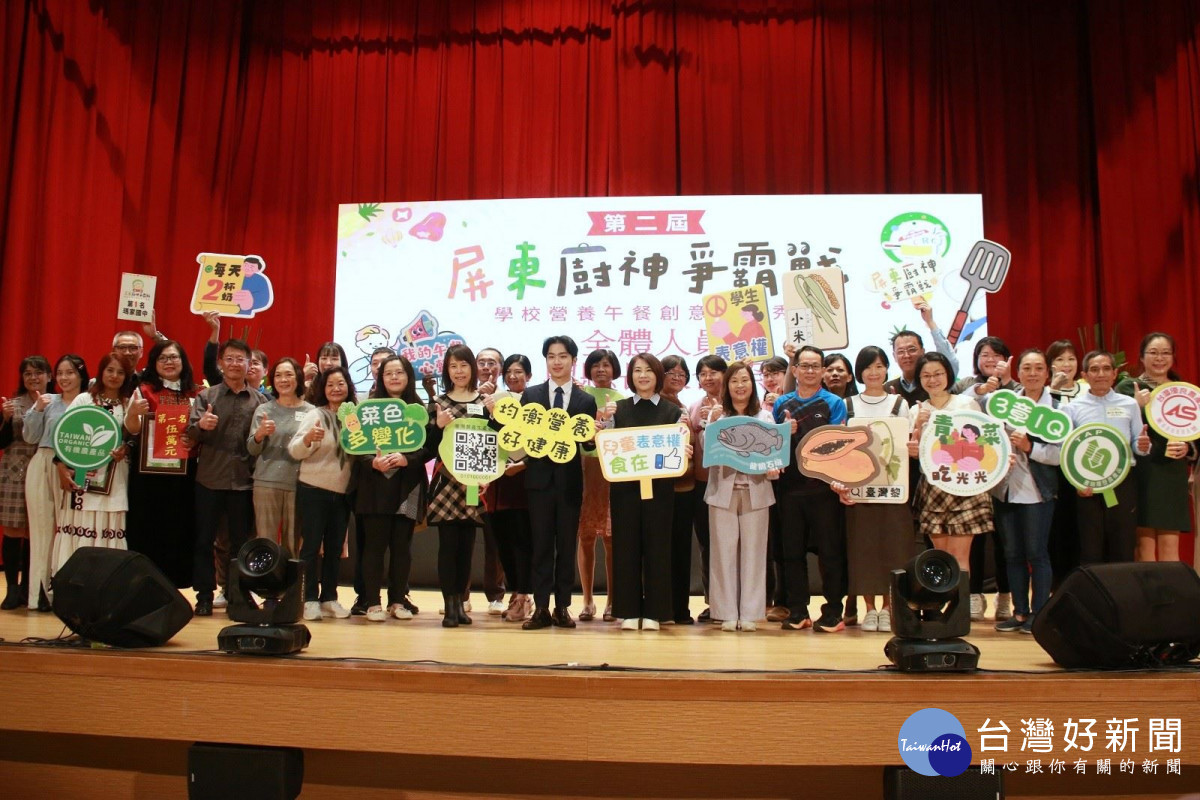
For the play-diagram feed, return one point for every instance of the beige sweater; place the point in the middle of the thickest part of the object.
(322, 464)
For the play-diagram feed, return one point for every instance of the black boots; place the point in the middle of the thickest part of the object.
(455, 613)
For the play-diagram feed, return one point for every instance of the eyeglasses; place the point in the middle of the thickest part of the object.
(127, 348)
(675, 373)
(907, 351)
(810, 367)
(234, 360)
(487, 362)
(170, 357)
(33, 374)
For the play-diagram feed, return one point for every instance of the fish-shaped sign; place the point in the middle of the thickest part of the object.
(747, 444)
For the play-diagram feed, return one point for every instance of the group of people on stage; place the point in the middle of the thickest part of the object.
(264, 458)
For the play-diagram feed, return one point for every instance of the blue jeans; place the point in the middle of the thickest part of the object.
(1026, 530)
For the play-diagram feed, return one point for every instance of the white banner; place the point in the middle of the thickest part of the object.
(628, 273)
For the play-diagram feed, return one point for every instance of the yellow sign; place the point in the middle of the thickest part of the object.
(541, 432)
(737, 324)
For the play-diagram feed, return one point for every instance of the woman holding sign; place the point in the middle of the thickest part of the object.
(951, 522)
(738, 516)
(96, 519)
(1162, 477)
(164, 487)
(43, 494)
(321, 501)
(392, 490)
(879, 536)
(455, 518)
(509, 508)
(275, 471)
(35, 375)
(642, 528)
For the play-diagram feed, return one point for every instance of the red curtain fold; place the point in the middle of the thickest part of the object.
(137, 134)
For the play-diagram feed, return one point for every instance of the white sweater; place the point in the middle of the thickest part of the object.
(322, 464)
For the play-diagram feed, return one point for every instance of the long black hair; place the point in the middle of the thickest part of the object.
(150, 374)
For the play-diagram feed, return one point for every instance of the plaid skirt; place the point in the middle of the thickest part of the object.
(943, 514)
(12, 484)
(448, 501)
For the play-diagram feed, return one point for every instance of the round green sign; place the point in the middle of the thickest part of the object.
(1097, 457)
(84, 439)
(914, 235)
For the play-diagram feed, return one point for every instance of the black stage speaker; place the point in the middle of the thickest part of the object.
(223, 771)
(1123, 616)
(119, 598)
(901, 783)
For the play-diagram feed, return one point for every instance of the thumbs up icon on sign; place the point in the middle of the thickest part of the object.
(672, 461)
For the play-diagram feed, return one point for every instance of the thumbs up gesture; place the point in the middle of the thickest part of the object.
(265, 428)
(310, 369)
(43, 400)
(138, 406)
(208, 420)
(914, 443)
(794, 425)
(1143, 440)
(1004, 371)
(315, 435)
(672, 461)
(444, 417)
(1142, 396)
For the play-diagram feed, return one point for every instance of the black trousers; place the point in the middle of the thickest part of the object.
(554, 522)
(979, 561)
(680, 526)
(641, 548)
(813, 522)
(392, 533)
(323, 517)
(776, 580)
(514, 541)
(212, 507)
(456, 545)
(493, 566)
(1108, 535)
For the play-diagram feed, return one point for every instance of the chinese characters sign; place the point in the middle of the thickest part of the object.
(84, 438)
(233, 286)
(643, 454)
(814, 303)
(383, 425)
(170, 423)
(1174, 411)
(1097, 457)
(736, 323)
(1045, 422)
(541, 432)
(470, 451)
(964, 453)
(889, 446)
(137, 297)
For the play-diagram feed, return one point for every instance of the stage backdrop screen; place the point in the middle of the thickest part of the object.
(634, 274)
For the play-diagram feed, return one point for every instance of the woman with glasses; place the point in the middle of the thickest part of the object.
(675, 378)
(275, 471)
(508, 508)
(1163, 510)
(34, 378)
(162, 487)
(93, 519)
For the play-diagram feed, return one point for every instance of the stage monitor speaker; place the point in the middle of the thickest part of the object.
(1123, 616)
(222, 771)
(118, 598)
(902, 783)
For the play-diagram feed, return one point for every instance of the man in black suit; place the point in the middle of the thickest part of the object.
(555, 492)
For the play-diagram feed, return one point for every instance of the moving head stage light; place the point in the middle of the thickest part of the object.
(263, 569)
(931, 609)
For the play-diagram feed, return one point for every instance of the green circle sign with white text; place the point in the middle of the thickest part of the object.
(1097, 457)
(85, 437)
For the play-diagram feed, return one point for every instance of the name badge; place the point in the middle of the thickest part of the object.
(300, 416)
(1116, 413)
(474, 409)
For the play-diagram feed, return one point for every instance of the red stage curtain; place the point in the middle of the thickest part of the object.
(136, 134)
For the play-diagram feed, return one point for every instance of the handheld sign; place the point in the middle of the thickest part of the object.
(749, 445)
(388, 425)
(541, 432)
(814, 304)
(84, 439)
(1174, 411)
(837, 453)
(737, 324)
(643, 454)
(470, 451)
(889, 446)
(137, 297)
(231, 285)
(964, 453)
(1098, 457)
(169, 425)
(1045, 422)
(602, 397)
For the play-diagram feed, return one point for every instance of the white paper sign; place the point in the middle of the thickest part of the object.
(137, 297)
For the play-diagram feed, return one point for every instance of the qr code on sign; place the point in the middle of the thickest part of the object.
(475, 452)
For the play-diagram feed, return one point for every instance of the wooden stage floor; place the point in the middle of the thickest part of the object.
(412, 710)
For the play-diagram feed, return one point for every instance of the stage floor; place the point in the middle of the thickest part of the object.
(492, 642)
(412, 711)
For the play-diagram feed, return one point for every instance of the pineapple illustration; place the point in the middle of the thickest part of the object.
(353, 219)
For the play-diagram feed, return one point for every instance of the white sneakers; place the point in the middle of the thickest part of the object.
(729, 625)
(870, 620)
(219, 601)
(312, 611)
(749, 626)
(332, 608)
(978, 607)
(399, 611)
(630, 624)
(885, 621)
(649, 624)
(1003, 606)
(376, 614)
(495, 608)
